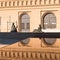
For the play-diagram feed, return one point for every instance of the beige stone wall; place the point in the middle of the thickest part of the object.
(12, 14)
(7, 17)
(10, 11)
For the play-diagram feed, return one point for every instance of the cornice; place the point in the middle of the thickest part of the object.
(28, 3)
(30, 54)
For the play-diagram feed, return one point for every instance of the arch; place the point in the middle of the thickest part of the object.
(50, 19)
(25, 25)
(25, 22)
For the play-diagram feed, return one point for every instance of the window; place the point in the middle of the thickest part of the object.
(49, 41)
(14, 54)
(30, 2)
(1, 53)
(26, 2)
(25, 23)
(1, 3)
(25, 41)
(17, 3)
(22, 2)
(18, 54)
(5, 53)
(9, 54)
(25, 26)
(44, 1)
(9, 3)
(49, 22)
(35, 2)
(40, 1)
(5, 3)
(13, 3)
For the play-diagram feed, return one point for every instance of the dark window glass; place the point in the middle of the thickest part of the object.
(5, 3)
(30, 2)
(22, 2)
(1, 53)
(1, 3)
(5, 53)
(9, 3)
(26, 2)
(23, 26)
(18, 3)
(27, 26)
(13, 3)
(50, 21)
(9, 54)
(25, 23)
(50, 41)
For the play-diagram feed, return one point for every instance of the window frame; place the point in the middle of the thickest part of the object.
(50, 25)
(25, 17)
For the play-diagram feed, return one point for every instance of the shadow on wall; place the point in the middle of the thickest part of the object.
(10, 41)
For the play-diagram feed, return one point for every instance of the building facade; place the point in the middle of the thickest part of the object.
(27, 15)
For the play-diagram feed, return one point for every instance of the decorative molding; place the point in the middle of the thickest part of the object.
(29, 3)
(48, 10)
(29, 54)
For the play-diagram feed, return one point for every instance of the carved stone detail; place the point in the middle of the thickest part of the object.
(29, 55)
(28, 3)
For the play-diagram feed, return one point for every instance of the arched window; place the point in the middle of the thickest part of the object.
(25, 26)
(49, 21)
(25, 23)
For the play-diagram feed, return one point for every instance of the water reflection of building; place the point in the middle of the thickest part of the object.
(27, 15)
